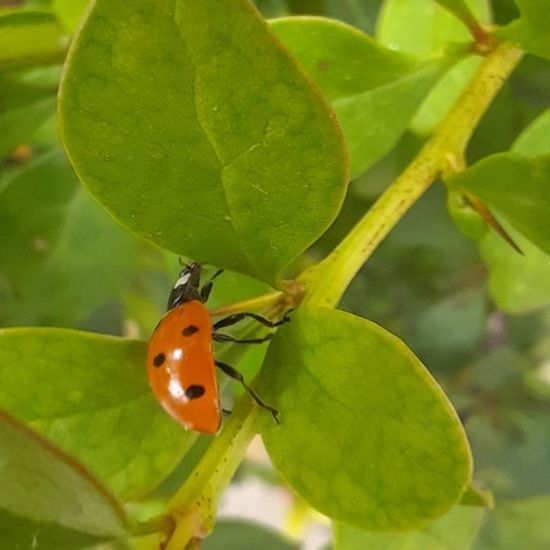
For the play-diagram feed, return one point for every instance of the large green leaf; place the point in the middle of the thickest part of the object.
(424, 28)
(207, 141)
(89, 394)
(454, 531)
(41, 483)
(531, 29)
(517, 187)
(374, 105)
(366, 436)
(30, 38)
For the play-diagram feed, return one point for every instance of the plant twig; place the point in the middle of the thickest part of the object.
(193, 507)
(327, 281)
(259, 302)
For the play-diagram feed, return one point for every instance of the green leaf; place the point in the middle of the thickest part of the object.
(466, 218)
(394, 454)
(238, 162)
(400, 22)
(57, 296)
(517, 524)
(30, 38)
(373, 106)
(531, 29)
(245, 535)
(374, 121)
(444, 94)
(41, 483)
(89, 394)
(17, 532)
(272, 8)
(535, 139)
(454, 531)
(23, 108)
(440, 29)
(460, 9)
(70, 12)
(517, 187)
(361, 15)
(45, 258)
(335, 55)
(45, 187)
(518, 283)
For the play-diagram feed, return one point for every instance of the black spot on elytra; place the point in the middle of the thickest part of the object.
(191, 329)
(194, 391)
(159, 359)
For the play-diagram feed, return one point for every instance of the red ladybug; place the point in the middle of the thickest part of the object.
(180, 359)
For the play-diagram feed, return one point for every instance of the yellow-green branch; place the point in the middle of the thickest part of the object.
(328, 280)
(193, 507)
(252, 304)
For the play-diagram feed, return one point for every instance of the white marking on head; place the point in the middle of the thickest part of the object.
(182, 280)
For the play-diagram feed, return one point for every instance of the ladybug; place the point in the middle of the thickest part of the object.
(180, 359)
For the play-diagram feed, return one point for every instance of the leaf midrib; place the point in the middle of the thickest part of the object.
(211, 142)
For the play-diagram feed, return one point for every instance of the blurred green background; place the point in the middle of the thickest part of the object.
(477, 315)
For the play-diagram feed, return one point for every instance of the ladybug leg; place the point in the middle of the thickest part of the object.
(236, 375)
(236, 317)
(207, 287)
(227, 338)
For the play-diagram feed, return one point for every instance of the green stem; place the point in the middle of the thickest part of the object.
(328, 280)
(252, 304)
(193, 507)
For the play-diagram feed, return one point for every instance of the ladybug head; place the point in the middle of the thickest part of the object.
(187, 286)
